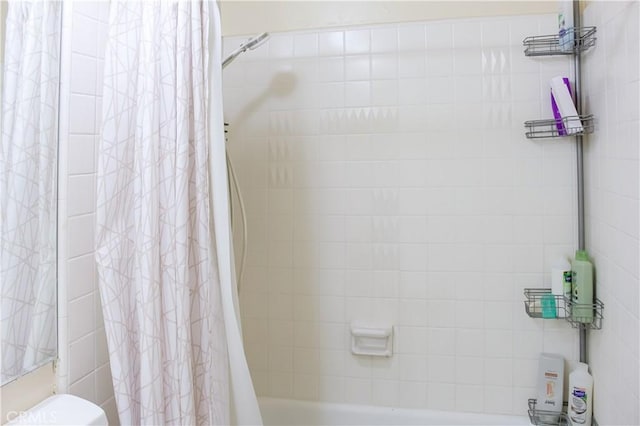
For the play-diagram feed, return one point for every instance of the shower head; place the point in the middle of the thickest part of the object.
(251, 44)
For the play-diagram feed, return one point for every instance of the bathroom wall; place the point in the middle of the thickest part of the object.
(612, 177)
(387, 179)
(84, 368)
(25, 392)
(251, 17)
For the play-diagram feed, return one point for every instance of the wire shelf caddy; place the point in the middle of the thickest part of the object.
(541, 303)
(544, 417)
(554, 128)
(580, 39)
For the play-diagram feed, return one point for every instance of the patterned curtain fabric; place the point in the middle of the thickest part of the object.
(28, 165)
(157, 265)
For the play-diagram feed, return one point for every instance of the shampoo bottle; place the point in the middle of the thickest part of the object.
(582, 288)
(559, 270)
(565, 26)
(580, 395)
(550, 387)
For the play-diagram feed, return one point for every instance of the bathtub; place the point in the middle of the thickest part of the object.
(288, 412)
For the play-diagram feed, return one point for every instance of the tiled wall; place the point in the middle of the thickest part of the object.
(84, 367)
(612, 178)
(387, 179)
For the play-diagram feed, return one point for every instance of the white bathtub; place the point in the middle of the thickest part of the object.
(288, 412)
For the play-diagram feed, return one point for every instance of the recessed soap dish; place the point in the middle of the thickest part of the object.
(371, 340)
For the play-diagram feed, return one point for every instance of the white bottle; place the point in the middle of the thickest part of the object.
(566, 39)
(580, 395)
(550, 387)
(558, 273)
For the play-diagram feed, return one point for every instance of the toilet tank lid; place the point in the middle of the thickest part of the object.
(62, 409)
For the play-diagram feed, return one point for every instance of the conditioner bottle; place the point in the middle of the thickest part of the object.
(580, 395)
(582, 288)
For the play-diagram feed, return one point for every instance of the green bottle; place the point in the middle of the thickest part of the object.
(582, 285)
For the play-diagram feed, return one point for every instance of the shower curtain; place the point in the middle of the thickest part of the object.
(162, 245)
(28, 158)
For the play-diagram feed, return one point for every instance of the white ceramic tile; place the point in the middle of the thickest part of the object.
(498, 399)
(413, 312)
(281, 46)
(413, 394)
(411, 65)
(306, 70)
(441, 341)
(103, 11)
(357, 93)
(101, 42)
(411, 38)
(413, 257)
(81, 276)
(441, 368)
(305, 45)
(412, 285)
(357, 68)
(357, 391)
(82, 114)
(331, 388)
(498, 371)
(470, 342)
(305, 386)
(90, 9)
(281, 306)
(469, 370)
(411, 340)
(495, 33)
(81, 314)
(467, 89)
(467, 34)
(331, 43)
(80, 195)
(498, 315)
(280, 254)
(357, 41)
(384, 92)
(441, 396)
(467, 61)
(80, 235)
(82, 40)
(84, 388)
(102, 351)
(412, 91)
(469, 398)
(412, 368)
(385, 392)
(83, 74)
(384, 39)
(331, 69)
(104, 387)
(281, 384)
(81, 357)
(81, 151)
(524, 371)
(439, 35)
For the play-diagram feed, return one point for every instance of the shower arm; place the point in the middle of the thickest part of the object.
(250, 44)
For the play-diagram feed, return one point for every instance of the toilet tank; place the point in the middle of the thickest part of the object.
(61, 410)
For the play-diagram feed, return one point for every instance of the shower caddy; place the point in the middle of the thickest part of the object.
(549, 45)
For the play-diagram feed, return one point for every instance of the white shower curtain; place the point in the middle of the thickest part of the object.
(162, 247)
(28, 158)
